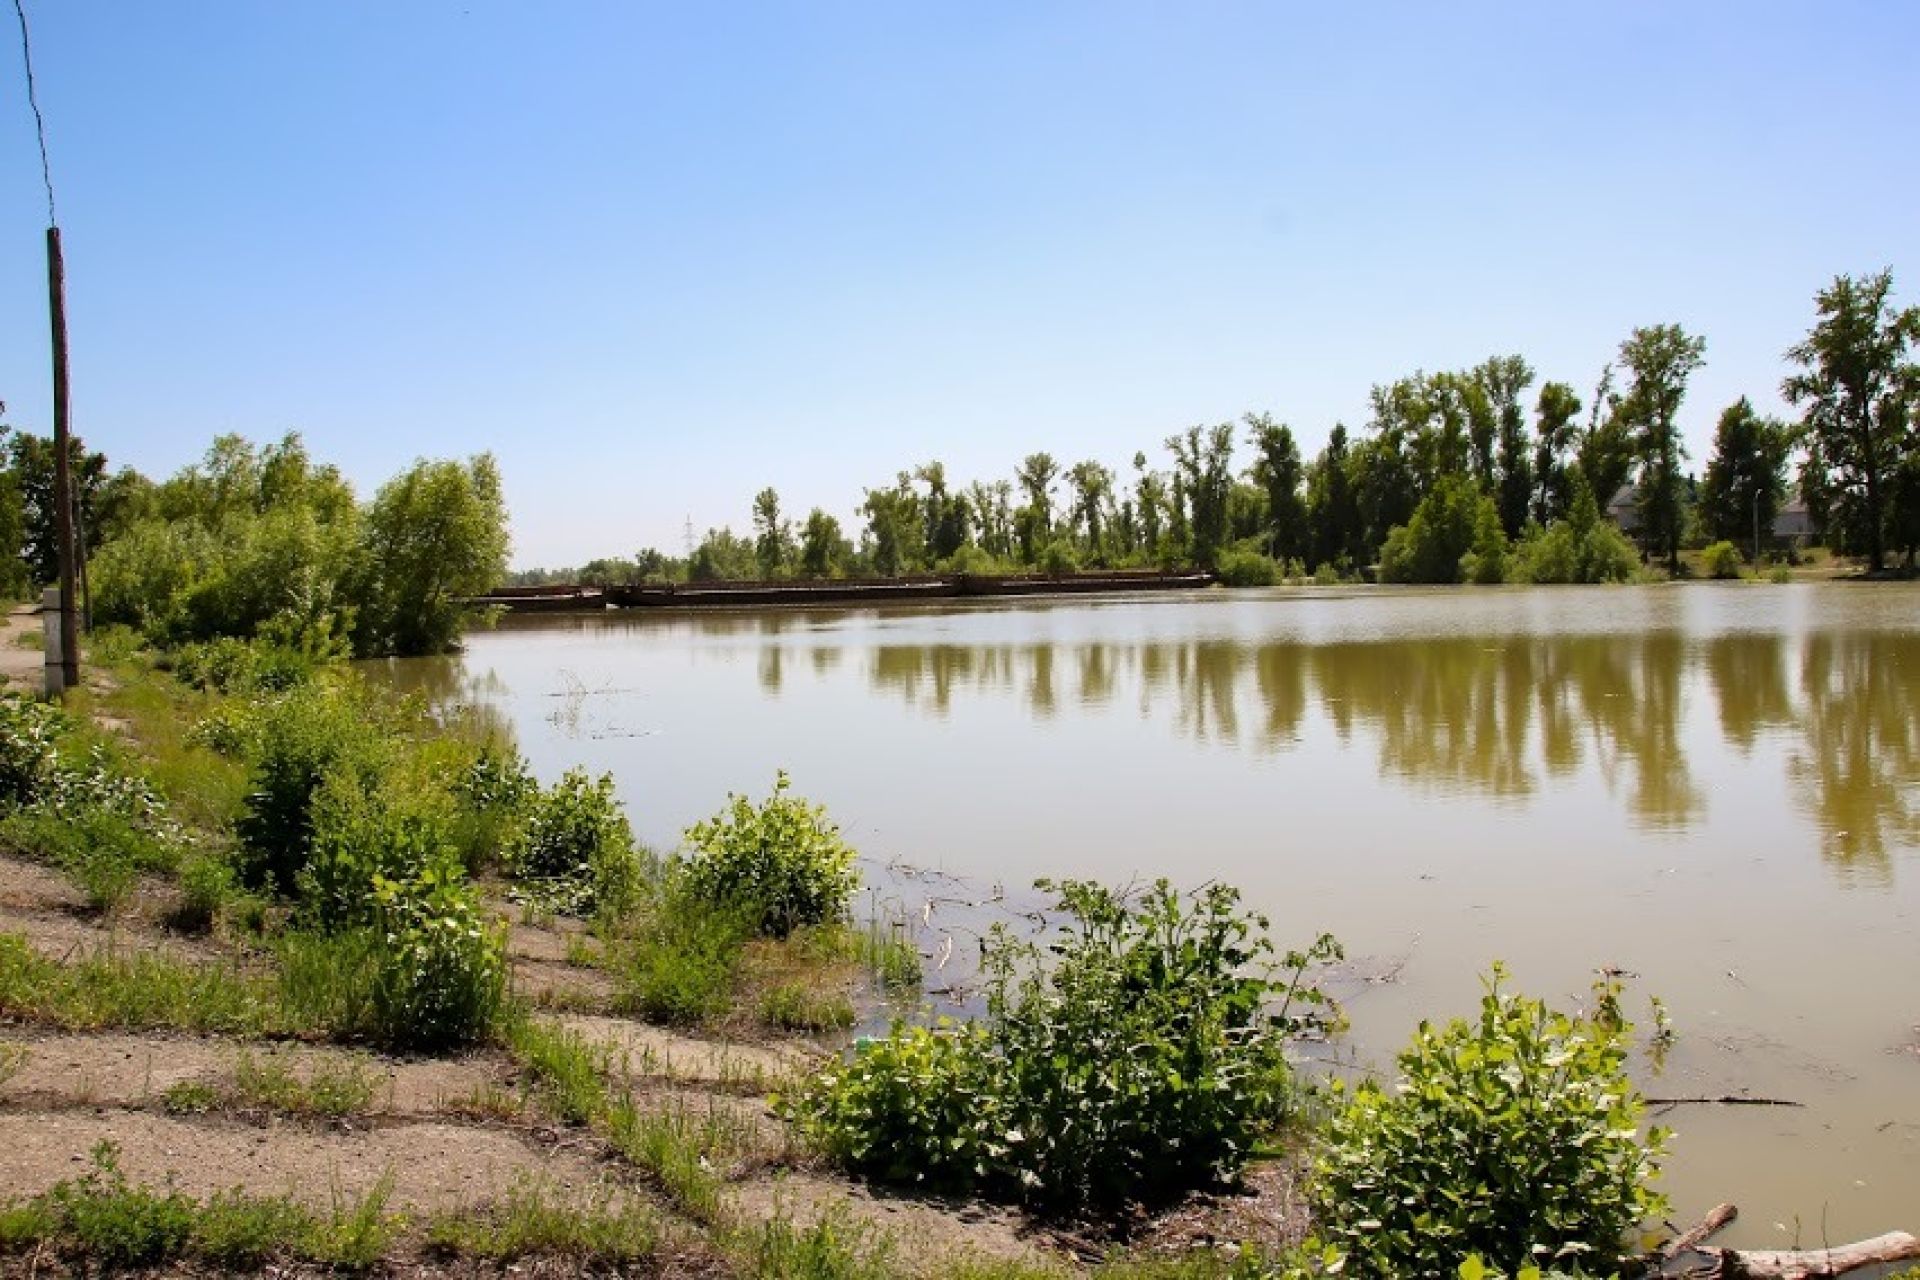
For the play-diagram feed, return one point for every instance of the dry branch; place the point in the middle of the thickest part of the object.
(1808, 1264)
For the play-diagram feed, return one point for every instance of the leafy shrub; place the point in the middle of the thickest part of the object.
(29, 731)
(1721, 560)
(1513, 1138)
(1238, 568)
(364, 830)
(1060, 558)
(294, 742)
(439, 964)
(1145, 1060)
(576, 848)
(492, 791)
(783, 864)
(207, 887)
(1448, 524)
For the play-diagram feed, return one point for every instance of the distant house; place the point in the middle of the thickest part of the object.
(1624, 509)
(1793, 524)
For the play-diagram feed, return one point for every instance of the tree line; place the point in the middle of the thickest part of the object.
(1461, 474)
(262, 541)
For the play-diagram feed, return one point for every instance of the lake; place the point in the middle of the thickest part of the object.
(1715, 788)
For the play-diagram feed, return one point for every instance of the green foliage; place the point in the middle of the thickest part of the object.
(1242, 568)
(1581, 548)
(236, 1231)
(208, 886)
(834, 1246)
(1451, 521)
(1513, 1137)
(569, 1069)
(539, 1220)
(680, 963)
(332, 1088)
(29, 754)
(433, 534)
(440, 969)
(492, 792)
(793, 1006)
(1721, 560)
(294, 741)
(134, 992)
(782, 865)
(575, 848)
(1144, 1060)
(369, 828)
(120, 1225)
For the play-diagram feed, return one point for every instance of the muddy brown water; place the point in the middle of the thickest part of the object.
(1716, 788)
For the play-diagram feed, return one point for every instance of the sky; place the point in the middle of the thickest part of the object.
(656, 257)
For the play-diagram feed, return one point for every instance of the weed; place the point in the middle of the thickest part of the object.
(782, 865)
(834, 1247)
(118, 1224)
(790, 1006)
(680, 964)
(568, 1068)
(575, 849)
(208, 887)
(609, 1227)
(238, 1232)
(677, 1149)
(189, 1098)
(359, 1230)
(135, 991)
(332, 1088)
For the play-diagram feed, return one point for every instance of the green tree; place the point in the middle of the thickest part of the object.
(1856, 387)
(432, 535)
(1036, 477)
(1503, 380)
(32, 460)
(1203, 461)
(1333, 510)
(1455, 518)
(823, 551)
(772, 535)
(1277, 470)
(948, 516)
(1555, 436)
(1092, 506)
(723, 556)
(1746, 476)
(1659, 359)
(895, 535)
(1149, 506)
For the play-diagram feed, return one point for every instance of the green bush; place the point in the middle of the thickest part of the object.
(294, 742)
(207, 887)
(493, 792)
(1239, 568)
(119, 1225)
(29, 754)
(366, 829)
(440, 967)
(1513, 1138)
(575, 848)
(1143, 1059)
(1450, 522)
(1721, 560)
(782, 864)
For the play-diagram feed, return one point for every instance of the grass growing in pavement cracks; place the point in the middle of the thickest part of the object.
(137, 991)
(103, 1219)
(269, 1083)
(532, 1220)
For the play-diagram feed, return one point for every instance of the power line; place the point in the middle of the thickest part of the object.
(33, 100)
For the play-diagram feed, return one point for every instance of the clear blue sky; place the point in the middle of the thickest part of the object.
(657, 256)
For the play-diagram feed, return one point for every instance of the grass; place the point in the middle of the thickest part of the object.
(102, 1219)
(532, 1221)
(833, 1247)
(334, 1087)
(568, 1070)
(100, 851)
(676, 1149)
(791, 1006)
(205, 789)
(136, 991)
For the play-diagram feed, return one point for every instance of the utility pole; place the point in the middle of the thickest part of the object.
(63, 510)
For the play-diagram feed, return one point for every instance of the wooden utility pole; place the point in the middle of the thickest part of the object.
(63, 509)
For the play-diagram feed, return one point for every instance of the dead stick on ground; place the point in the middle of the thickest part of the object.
(1808, 1264)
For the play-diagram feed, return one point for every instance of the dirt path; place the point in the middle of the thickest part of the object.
(21, 668)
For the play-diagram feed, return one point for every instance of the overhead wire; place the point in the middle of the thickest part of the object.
(33, 100)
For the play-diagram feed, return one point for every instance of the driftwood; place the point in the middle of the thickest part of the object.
(1775, 1264)
(1723, 1100)
(1715, 1222)
(1806, 1264)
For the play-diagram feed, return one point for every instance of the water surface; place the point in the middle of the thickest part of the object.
(1714, 788)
